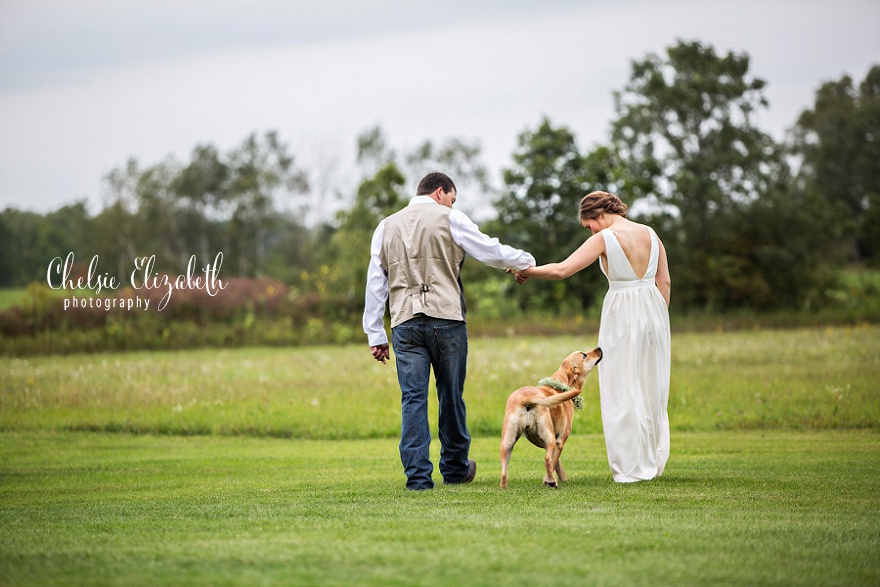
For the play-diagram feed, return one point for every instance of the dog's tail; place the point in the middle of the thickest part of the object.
(556, 399)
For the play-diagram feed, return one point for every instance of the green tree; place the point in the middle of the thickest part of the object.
(838, 140)
(460, 160)
(457, 157)
(215, 202)
(685, 134)
(202, 192)
(29, 241)
(868, 164)
(345, 261)
(390, 180)
(538, 209)
(117, 225)
(261, 172)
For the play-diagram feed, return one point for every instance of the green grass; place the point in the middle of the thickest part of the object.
(279, 466)
(861, 279)
(24, 296)
(11, 296)
(791, 379)
(734, 508)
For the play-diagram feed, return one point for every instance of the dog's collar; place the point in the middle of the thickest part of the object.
(555, 384)
(561, 387)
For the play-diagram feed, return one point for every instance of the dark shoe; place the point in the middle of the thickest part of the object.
(472, 472)
(423, 485)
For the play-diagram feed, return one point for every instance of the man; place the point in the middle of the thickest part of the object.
(415, 263)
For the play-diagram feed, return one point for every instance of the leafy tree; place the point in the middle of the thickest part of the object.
(868, 164)
(8, 245)
(29, 241)
(839, 142)
(544, 187)
(390, 180)
(117, 225)
(461, 161)
(688, 144)
(348, 252)
(373, 151)
(538, 210)
(202, 192)
(456, 157)
(214, 203)
(261, 172)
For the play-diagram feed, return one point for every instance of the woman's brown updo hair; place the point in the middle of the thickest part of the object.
(595, 203)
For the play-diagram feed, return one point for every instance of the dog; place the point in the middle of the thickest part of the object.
(544, 414)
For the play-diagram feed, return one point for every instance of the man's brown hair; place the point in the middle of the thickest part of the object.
(435, 180)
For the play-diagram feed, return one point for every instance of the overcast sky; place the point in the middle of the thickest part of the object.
(87, 84)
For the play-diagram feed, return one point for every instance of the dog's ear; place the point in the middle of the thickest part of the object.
(573, 372)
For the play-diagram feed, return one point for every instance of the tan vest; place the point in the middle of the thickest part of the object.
(423, 264)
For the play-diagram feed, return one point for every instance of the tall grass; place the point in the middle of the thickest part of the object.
(266, 312)
(10, 296)
(792, 379)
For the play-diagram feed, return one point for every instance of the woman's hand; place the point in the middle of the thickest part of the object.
(518, 276)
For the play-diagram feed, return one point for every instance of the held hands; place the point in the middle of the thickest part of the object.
(381, 352)
(518, 276)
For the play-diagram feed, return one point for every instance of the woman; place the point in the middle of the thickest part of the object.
(633, 334)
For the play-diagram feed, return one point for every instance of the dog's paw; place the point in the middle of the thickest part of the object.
(551, 484)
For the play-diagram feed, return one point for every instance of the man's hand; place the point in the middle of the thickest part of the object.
(381, 352)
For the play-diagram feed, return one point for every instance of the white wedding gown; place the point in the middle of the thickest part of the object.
(634, 372)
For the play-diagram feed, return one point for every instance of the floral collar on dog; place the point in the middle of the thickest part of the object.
(561, 387)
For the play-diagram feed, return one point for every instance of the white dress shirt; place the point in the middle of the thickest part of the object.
(464, 232)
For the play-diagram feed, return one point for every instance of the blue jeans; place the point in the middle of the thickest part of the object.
(420, 344)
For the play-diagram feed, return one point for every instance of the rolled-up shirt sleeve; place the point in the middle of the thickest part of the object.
(485, 249)
(377, 292)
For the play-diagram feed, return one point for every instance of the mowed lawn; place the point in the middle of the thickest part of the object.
(280, 467)
(734, 508)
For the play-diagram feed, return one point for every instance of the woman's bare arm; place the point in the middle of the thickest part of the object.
(663, 279)
(584, 256)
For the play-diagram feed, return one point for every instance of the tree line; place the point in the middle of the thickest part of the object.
(748, 221)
